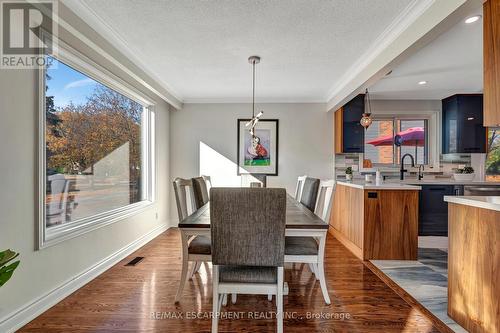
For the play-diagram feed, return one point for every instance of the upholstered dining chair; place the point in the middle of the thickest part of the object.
(248, 241)
(198, 248)
(306, 249)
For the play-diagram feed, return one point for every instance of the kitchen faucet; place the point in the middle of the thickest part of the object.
(403, 170)
(421, 169)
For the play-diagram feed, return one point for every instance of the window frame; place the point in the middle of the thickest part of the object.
(79, 62)
(431, 126)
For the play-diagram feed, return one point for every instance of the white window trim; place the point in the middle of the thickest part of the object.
(56, 234)
(433, 135)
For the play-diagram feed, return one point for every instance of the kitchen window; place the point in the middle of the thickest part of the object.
(380, 137)
(96, 148)
(493, 155)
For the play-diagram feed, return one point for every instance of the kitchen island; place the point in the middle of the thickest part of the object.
(376, 221)
(474, 262)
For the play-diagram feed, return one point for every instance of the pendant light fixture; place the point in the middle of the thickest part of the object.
(366, 120)
(253, 60)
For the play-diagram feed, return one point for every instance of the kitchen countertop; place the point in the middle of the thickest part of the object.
(361, 184)
(485, 202)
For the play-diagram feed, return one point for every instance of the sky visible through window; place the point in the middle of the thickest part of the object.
(68, 85)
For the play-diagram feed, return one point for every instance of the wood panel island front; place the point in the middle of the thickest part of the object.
(376, 221)
(474, 262)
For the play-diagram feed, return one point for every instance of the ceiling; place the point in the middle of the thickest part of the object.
(451, 64)
(199, 49)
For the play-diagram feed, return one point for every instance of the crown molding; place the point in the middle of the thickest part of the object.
(248, 100)
(91, 18)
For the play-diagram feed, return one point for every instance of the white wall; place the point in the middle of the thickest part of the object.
(41, 272)
(305, 142)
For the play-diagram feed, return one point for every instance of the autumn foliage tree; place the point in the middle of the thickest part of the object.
(87, 133)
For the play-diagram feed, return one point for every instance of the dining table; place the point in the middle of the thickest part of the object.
(300, 222)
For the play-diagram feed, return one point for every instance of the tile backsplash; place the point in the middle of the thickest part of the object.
(447, 163)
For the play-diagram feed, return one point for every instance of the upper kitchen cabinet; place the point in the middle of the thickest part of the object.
(463, 130)
(491, 54)
(349, 134)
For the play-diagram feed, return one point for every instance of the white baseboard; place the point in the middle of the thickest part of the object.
(28, 312)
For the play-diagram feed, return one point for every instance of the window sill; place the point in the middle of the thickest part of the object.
(63, 232)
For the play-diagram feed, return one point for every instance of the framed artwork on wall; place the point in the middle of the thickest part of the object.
(258, 154)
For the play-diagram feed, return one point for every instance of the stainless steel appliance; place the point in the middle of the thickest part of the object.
(482, 190)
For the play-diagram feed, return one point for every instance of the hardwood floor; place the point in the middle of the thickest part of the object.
(141, 299)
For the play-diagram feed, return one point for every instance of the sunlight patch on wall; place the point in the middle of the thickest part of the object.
(221, 169)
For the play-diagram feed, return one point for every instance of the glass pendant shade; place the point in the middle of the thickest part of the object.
(366, 120)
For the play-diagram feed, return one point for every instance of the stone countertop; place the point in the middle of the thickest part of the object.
(361, 184)
(485, 202)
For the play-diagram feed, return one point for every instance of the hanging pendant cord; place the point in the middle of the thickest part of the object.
(368, 102)
(253, 90)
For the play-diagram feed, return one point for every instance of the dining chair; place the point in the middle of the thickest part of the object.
(200, 189)
(298, 188)
(248, 241)
(307, 249)
(309, 193)
(198, 247)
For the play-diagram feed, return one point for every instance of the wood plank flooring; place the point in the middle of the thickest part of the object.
(141, 299)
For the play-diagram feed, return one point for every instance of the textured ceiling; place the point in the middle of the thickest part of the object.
(451, 64)
(200, 48)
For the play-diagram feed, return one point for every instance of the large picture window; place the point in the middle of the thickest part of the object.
(97, 151)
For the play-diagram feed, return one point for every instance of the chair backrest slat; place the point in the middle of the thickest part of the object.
(299, 187)
(184, 197)
(323, 202)
(248, 226)
(208, 182)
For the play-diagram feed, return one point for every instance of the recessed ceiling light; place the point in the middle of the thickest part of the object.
(472, 19)
(422, 82)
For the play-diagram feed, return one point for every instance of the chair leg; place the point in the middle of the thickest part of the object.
(215, 299)
(279, 301)
(193, 269)
(321, 269)
(233, 298)
(269, 297)
(185, 265)
(224, 299)
(198, 265)
(316, 271)
(311, 267)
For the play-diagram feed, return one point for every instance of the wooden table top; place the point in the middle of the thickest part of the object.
(297, 217)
